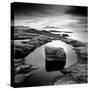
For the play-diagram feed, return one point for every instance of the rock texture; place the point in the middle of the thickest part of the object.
(77, 73)
(72, 42)
(55, 58)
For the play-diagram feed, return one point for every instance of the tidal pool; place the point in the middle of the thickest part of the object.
(37, 59)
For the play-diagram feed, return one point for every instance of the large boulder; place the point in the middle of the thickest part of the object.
(55, 58)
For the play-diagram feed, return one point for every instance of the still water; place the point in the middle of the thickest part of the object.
(37, 59)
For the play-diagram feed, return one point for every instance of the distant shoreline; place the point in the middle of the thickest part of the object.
(60, 31)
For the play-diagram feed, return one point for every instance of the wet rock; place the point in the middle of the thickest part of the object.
(21, 51)
(78, 72)
(66, 71)
(66, 40)
(18, 62)
(22, 75)
(74, 43)
(75, 74)
(64, 79)
(19, 78)
(55, 58)
(82, 53)
(23, 68)
(65, 35)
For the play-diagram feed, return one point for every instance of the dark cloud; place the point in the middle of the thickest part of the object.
(78, 10)
(41, 15)
(30, 8)
(37, 10)
(40, 10)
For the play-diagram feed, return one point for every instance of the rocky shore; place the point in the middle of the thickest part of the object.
(22, 48)
(76, 73)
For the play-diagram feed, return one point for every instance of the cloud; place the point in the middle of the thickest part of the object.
(53, 16)
(37, 10)
(78, 10)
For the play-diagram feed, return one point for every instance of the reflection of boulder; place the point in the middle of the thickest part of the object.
(55, 58)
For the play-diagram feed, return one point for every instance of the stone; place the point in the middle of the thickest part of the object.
(55, 58)
(19, 78)
(22, 68)
(65, 35)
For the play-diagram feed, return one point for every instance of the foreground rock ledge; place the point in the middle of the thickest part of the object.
(77, 73)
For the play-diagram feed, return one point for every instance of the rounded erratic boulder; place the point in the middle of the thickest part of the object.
(55, 58)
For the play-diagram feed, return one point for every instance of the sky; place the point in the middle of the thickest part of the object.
(46, 16)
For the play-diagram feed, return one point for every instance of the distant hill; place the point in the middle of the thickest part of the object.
(52, 27)
(60, 31)
(54, 31)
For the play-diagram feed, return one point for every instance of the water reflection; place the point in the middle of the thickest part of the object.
(37, 58)
(44, 74)
(54, 65)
